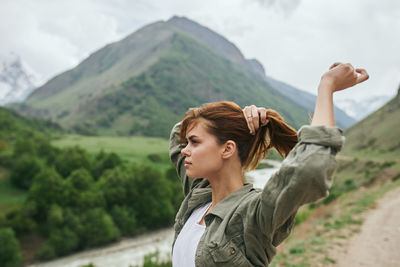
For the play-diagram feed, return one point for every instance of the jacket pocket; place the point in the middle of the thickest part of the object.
(229, 254)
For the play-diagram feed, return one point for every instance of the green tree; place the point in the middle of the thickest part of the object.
(24, 169)
(45, 150)
(24, 146)
(20, 221)
(81, 191)
(153, 206)
(71, 159)
(47, 188)
(10, 254)
(73, 221)
(63, 241)
(105, 162)
(80, 180)
(98, 228)
(176, 187)
(119, 187)
(125, 219)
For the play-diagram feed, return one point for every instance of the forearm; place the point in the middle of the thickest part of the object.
(323, 112)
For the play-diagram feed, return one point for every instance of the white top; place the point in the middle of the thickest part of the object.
(185, 246)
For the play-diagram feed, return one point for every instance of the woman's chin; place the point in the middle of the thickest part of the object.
(191, 175)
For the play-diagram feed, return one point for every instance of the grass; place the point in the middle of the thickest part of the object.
(131, 149)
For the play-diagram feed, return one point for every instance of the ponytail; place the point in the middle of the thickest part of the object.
(276, 134)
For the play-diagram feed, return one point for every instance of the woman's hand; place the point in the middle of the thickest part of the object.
(254, 117)
(341, 76)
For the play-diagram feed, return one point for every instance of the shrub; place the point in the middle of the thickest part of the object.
(20, 222)
(63, 241)
(154, 157)
(105, 162)
(72, 159)
(118, 188)
(10, 254)
(80, 180)
(46, 252)
(154, 203)
(153, 260)
(25, 168)
(176, 187)
(302, 216)
(47, 188)
(98, 228)
(125, 218)
(24, 146)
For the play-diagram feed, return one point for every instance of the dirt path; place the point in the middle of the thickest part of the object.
(378, 243)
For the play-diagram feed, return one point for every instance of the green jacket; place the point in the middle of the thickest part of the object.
(245, 228)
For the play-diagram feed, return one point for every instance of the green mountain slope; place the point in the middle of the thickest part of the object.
(144, 83)
(101, 71)
(14, 126)
(378, 135)
(224, 47)
(188, 75)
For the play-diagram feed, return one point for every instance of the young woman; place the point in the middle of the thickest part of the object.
(223, 222)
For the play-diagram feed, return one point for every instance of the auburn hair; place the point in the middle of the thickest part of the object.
(226, 121)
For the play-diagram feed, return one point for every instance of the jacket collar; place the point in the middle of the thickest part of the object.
(203, 195)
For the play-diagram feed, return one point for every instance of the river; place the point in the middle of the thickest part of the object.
(130, 251)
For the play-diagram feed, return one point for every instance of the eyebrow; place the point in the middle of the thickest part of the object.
(191, 137)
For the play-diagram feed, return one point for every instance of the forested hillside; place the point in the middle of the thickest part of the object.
(54, 201)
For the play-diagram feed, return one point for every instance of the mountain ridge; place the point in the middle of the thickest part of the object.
(75, 97)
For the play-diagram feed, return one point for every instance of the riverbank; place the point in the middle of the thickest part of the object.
(126, 252)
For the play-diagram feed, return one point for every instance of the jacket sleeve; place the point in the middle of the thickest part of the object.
(179, 160)
(304, 176)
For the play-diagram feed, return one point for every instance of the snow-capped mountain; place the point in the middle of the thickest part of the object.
(16, 81)
(359, 109)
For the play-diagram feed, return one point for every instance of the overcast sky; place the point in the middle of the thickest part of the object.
(295, 40)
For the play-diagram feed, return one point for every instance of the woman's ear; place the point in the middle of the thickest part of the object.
(229, 149)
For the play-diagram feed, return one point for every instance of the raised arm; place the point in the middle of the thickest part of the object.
(306, 173)
(339, 77)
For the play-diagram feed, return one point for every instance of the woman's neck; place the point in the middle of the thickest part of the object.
(227, 181)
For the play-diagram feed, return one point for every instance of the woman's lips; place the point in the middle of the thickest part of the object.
(187, 164)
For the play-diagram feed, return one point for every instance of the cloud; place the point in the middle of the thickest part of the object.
(55, 35)
(287, 7)
(295, 40)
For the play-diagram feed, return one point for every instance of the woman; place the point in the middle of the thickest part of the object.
(223, 222)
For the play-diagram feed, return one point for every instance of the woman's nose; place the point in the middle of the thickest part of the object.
(185, 151)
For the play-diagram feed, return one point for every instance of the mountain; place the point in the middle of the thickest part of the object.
(377, 134)
(144, 83)
(16, 81)
(360, 108)
(229, 50)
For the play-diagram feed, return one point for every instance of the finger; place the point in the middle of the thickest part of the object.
(256, 118)
(334, 65)
(349, 67)
(363, 75)
(248, 117)
(263, 116)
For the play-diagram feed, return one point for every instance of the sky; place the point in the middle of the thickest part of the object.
(295, 40)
